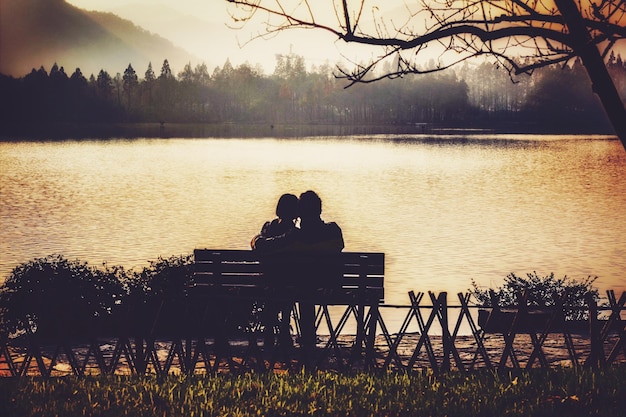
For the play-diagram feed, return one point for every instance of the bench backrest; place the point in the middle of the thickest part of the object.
(354, 272)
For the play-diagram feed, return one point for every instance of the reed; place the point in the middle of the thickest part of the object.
(561, 391)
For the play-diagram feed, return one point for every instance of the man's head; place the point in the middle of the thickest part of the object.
(310, 205)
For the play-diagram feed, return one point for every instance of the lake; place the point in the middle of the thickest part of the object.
(445, 209)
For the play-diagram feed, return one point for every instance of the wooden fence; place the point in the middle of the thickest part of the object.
(511, 338)
(434, 334)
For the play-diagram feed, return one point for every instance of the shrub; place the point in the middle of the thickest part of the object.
(161, 288)
(54, 296)
(165, 279)
(541, 292)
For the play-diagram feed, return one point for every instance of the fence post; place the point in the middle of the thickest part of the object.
(6, 352)
(596, 356)
(443, 308)
(616, 320)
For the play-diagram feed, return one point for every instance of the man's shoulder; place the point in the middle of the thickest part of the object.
(332, 227)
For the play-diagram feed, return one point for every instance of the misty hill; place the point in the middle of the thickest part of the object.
(42, 32)
(204, 35)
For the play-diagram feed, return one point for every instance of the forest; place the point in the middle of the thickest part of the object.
(555, 99)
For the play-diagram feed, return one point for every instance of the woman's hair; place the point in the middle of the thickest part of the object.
(287, 207)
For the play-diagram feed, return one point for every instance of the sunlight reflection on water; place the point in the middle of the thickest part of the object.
(443, 209)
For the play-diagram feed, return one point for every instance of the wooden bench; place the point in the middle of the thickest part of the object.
(353, 275)
(351, 279)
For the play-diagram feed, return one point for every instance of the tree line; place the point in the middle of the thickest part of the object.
(554, 97)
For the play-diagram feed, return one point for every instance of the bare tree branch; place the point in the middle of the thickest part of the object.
(538, 31)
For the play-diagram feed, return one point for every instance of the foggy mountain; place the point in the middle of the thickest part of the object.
(41, 32)
(209, 34)
(205, 35)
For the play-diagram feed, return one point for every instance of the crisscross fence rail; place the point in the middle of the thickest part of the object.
(434, 334)
(464, 336)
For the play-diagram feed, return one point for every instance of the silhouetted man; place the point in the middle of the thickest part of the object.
(315, 237)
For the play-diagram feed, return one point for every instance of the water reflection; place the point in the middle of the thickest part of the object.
(444, 209)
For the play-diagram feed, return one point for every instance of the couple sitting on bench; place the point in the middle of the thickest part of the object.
(282, 235)
(298, 268)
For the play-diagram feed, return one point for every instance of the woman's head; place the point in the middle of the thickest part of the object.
(287, 207)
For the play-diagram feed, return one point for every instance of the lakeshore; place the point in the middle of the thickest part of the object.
(59, 131)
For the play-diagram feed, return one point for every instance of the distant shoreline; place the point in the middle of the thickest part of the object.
(67, 131)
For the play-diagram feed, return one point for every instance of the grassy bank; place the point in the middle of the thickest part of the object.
(537, 393)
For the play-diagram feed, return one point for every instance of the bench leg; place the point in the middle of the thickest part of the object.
(309, 336)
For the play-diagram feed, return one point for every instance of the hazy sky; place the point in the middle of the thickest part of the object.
(202, 28)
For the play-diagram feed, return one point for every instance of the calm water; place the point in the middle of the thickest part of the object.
(444, 210)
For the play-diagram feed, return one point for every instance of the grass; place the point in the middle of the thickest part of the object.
(536, 393)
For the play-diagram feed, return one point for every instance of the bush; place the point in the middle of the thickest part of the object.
(541, 292)
(55, 296)
(163, 279)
